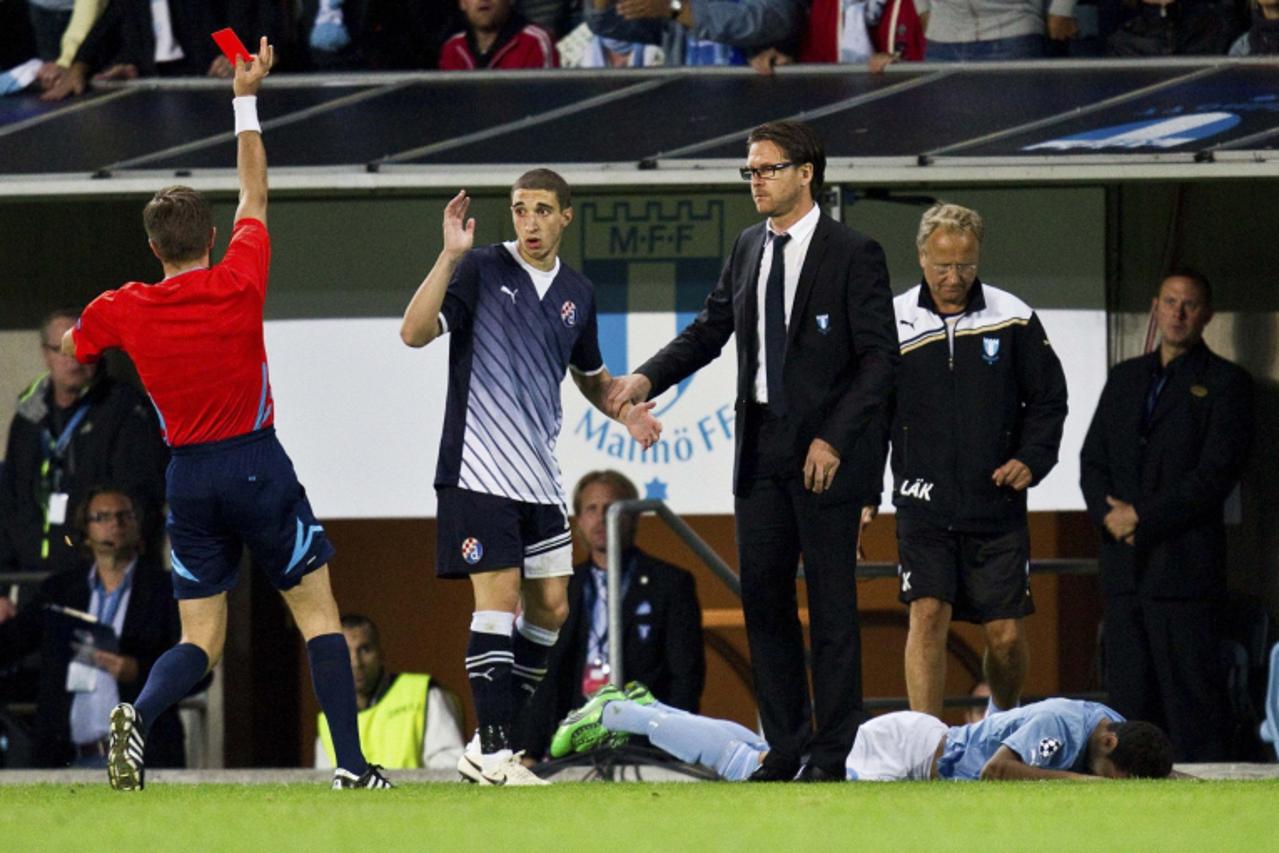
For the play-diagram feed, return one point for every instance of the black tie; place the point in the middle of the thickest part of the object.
(775, 326)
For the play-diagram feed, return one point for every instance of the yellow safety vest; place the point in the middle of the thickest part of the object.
(391, 730)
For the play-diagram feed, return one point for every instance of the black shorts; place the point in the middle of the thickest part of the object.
(228, 495)
(983, 576)
(484, 533)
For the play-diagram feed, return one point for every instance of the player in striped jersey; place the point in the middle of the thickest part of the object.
(518, 318)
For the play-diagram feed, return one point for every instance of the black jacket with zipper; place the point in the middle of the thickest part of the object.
(967, 400)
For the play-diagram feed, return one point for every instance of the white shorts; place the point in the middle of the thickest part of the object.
(896, 746)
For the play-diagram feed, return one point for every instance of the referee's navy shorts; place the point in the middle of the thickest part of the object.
(228, 495)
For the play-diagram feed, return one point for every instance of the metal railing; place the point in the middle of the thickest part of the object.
(730, 578)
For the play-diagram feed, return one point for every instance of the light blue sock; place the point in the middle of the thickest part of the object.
(731, 750)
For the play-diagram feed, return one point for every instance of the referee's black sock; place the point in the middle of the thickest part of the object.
(334, 686)
(172, 677)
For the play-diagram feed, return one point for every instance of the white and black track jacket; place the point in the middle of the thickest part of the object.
(970, 395)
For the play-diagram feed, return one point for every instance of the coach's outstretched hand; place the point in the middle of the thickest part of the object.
(459, 232)
(249, 75)
(641, 424)
(631, 388)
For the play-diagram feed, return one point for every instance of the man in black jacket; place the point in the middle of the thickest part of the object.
(122, 589)
(661, 621)
(74, 428)
(1167, 443)
(979, 409)
(810, 305)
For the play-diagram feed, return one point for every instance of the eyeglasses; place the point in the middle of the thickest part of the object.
(767, 172)
(962, 270)
(123, 516)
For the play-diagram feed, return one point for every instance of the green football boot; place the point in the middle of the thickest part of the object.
(582, 730)
(639, 694)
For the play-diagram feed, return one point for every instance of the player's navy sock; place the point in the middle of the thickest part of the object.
(489, 659)
(334, 685)
(532, 646)
(172, 677)
(720, 744)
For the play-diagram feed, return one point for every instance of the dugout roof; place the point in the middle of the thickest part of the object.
(917, 124)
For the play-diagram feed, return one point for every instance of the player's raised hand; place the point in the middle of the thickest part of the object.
(641, 424)
(249, 75)
(459, 232)
(631, 388)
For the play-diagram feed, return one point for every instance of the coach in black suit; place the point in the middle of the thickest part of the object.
(809, 302)
(109, 525)
(661, 621)
(1166, 446)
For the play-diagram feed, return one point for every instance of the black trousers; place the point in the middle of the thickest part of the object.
(1163, 664)
(777, 520)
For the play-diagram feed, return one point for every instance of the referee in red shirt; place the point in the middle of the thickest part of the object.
(196, 338)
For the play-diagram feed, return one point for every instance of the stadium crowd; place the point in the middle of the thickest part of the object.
(61, 46)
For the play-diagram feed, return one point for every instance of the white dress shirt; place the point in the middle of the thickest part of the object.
(801, 234)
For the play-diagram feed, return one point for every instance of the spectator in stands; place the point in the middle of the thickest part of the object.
(854, 32)
(122, 588)
(1263, 36)
(497, 36)
(60, 27)
(557, 17)
(1175, 28)
(74, 427)
(661, 620)
(989, 30)
(701, 32)
(160, 38)
(350, 35)
(406, 719)
(1167, 444)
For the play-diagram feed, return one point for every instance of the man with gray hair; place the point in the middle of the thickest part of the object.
(977, 420)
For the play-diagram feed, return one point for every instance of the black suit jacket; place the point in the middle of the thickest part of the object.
(838, 370)
(661, 646)
(1177, 475)
(150, 628)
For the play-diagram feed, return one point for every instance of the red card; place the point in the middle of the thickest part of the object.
(231, 45)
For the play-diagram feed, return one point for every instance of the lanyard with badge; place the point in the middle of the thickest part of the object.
(55, 452)
(82, 675)
(597, 669)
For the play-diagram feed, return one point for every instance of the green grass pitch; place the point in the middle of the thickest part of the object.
(611, 818)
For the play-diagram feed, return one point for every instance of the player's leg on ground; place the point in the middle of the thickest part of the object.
(536, 630)
(926, 654)
(731, 750)
(490, 657)
(316, 613)
(1005, 660)
(181, 667)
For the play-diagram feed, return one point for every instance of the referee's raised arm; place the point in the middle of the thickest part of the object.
(250, 153)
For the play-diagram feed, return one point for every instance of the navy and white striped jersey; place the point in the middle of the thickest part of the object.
(515, 330)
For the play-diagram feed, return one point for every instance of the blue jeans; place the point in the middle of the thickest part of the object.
(994, 50)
